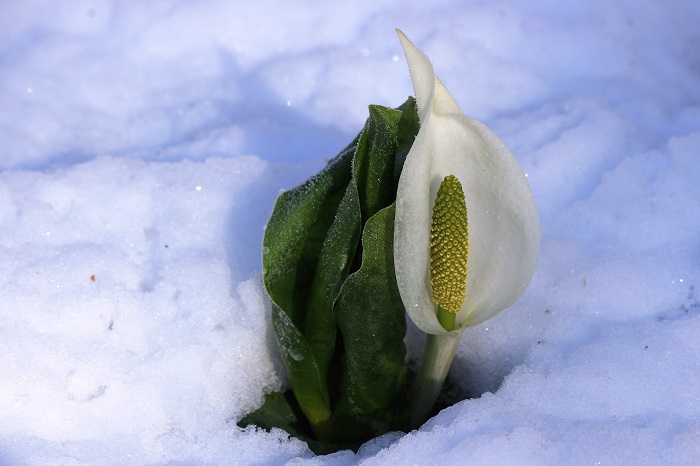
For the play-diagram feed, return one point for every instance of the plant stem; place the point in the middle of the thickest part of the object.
(437, 358)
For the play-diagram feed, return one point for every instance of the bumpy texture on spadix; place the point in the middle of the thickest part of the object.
(504, 229)
(449, 246)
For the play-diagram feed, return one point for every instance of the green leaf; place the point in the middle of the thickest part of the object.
(373, 165)
(295, 233)
(281, 411)
(332, 269)
(292, 247)
(407, 131)
(307, 382)
(371, 319)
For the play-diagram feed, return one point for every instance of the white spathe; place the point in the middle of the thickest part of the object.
(504, 228)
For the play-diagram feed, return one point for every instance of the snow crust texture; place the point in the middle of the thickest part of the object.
(142, 146)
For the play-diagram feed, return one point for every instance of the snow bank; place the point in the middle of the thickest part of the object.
(132, 321)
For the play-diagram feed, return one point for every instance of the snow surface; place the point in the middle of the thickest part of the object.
(142, 145)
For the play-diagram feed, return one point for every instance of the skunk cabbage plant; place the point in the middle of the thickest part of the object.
(425, 212)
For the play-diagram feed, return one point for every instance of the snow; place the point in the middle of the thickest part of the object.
(142, 146)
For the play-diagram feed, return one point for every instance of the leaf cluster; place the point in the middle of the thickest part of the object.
(336, 311)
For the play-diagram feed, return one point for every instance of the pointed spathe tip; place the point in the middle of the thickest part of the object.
(401, 35)
(421, 71)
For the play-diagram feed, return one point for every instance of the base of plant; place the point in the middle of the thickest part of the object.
(280, 410)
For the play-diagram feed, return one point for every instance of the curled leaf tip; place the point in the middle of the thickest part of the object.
(449, 246)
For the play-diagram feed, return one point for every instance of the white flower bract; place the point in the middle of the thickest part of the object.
(504, 228)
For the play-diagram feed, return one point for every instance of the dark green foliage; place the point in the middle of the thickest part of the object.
(337, 314)
(371, 319)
